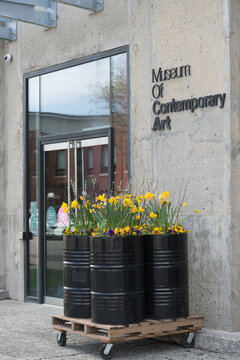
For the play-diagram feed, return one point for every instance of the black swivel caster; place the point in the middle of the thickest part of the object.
(188, 340)
(106, 351)
(61, 338)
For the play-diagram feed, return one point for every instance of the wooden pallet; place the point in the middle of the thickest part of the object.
(120, 333)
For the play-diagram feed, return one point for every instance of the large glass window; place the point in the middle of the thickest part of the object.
(80, 98)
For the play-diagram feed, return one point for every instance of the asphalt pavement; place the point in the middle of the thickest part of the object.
(26, 333)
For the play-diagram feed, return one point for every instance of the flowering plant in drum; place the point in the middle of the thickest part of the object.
(117, 215)
(81, 219)
(163, 215)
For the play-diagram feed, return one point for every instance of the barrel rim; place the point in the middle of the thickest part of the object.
(114, 237)
(70, 236)
(166, 235)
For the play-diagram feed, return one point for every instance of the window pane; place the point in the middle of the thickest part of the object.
(90, 161)
(71, 99)
(61, 168)
(104, 159)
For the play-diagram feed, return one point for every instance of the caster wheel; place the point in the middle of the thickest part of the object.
(188, 340)
(106, 351)
(61, 338)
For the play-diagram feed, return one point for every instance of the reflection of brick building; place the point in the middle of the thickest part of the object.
(95, 158)
(121, 153)
(92, 175)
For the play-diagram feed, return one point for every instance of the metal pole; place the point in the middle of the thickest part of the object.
(75, 169)
(69, 179)
(83, 185)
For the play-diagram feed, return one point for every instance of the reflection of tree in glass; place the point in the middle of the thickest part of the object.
(119, 104)
(115, 93)
(117, 90)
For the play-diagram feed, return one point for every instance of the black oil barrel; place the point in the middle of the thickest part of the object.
(117, 280)
(76, 263)
(166, 276)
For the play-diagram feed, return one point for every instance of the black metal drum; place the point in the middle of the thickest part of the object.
(77, 297)
(117, 283)
(166, 276)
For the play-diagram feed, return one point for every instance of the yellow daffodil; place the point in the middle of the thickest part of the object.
(138, 217)
(148, 196)
(139, 198)
(196, 211)
(164, 197)
(74, 204)
(152, 215)
(140, 209)
(64, 205)
(165, 194)
(134, 209)
(66, 209)
(185, 204)
(113, 200)
(127, 202)
(82, 198)
(101, 198)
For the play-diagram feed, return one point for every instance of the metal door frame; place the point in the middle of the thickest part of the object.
(50, 139)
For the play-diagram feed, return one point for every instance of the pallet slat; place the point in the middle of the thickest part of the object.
(120, 333)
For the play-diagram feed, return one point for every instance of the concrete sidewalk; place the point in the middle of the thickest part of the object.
(26, 333)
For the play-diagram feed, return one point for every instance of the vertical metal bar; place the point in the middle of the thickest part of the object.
(83, 182)
(75, 170)
(69, 175)
(111, 101)
(128, 115)
(42, 230)
(26, 191)
(111, 160)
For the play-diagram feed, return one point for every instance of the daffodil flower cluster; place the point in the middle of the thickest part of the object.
(81, 219)
(125, 215)
(163, 216)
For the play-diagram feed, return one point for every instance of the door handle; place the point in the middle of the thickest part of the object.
(24, 235)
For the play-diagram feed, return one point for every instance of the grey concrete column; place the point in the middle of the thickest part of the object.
(235, 160)
(3, 236)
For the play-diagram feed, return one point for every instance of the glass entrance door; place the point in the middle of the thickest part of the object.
(71, 169)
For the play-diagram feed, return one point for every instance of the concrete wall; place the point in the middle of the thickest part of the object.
(196, 150)
(13, 117)
(3, 238)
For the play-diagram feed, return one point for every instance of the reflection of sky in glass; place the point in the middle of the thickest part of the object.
(73, 91)
(33, 94)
